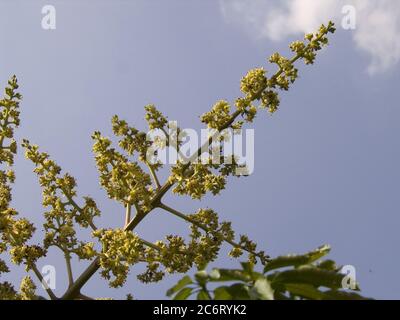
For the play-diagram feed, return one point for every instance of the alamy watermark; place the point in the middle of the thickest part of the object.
(229, 146)
(349, 280)
(49, 17)
(349, 19)
(49, 277)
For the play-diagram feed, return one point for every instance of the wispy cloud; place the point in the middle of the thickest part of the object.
(377, 27)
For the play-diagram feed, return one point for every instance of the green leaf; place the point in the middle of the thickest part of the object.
(262, 290)
(201, 277)
(214, 274)
(305, 291)
(186, 280)
(183, 294)
(247, 267)
(297, 260)
(343, 295)
(231, 275)
(203, 295)
(237, 291)
(328, 265)
(221, 293)
(308, 275)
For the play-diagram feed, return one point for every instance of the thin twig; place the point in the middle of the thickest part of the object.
(44, 283)
(154, 175)
(128, 214)
(69, 268)
(206, 229)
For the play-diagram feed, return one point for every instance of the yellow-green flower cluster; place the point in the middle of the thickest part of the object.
(26, 291)
(155, 119)
(175, 255)
(3, 266)
(64, 213)
(218, 116)
(254, 82)
(9, 119)
(132, 139)
(124, 180)
(270, 100)
(120, 250)
(207, 243)
(257, 87)
(315, 42)
(153, 272)
(196, 181)
(14, 232)
(27, 254)
(245, 244)
(288, 73)
(7, 291)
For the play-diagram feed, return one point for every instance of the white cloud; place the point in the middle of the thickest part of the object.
(377, 30)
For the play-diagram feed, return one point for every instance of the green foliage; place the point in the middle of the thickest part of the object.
(292, 277)
(130, 179)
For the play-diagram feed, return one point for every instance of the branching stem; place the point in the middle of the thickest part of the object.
(153, 175)
(69, 268)
(74, 290)
(206, 229)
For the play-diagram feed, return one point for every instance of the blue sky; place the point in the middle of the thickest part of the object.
(326, 164)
